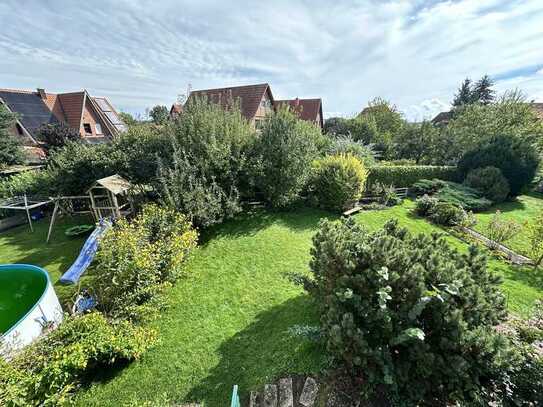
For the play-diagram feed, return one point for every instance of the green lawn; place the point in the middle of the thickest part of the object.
(523, 210)
(522, 285)
(20, 245)
(228, 319)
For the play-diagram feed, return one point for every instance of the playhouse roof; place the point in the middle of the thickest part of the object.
(114, 183)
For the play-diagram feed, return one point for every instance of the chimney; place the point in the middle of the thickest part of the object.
(42, 93)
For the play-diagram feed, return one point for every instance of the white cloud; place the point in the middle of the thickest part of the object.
(414, 53)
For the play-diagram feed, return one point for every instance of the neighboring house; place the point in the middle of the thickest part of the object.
(307, 109)
(442, 118)
(94, 117)
(176, 110)
(255, 101)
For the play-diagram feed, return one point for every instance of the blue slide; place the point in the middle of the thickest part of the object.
(85, 256)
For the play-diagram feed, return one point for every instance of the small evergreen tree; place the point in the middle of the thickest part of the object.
(482, 91)
(464, 96)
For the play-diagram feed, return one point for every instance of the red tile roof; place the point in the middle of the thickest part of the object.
(307, 109)
(64, 107)
(249, 97)
(72, 105)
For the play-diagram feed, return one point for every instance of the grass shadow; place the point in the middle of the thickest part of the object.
(262, 352)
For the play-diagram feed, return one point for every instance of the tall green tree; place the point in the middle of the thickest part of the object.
(11, 151)
(282, 157)
(483, 92)
(464, 95)
(415, 142)
(159, 114)
(379, 123)
(128, 119)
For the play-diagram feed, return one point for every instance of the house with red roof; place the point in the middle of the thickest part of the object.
(307, 109)
(94, 118)
(256, 102)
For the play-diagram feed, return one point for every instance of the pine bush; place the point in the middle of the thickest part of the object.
(408, 313)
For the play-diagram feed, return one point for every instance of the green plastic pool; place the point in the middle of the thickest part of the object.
(21, 288)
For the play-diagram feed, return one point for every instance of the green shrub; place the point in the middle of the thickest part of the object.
(408, 316)
(48, 371)
(137, 259)
(406, 175)
(425, 205)
(526, 387)
(214, 139)
(203, 200)
(282, 157)
(490, 181)
(139, 150)
(76, 166)
(427, 186)
(337, 181)
(462, 196)
(517, 160)
(446, 214)
(28, 182)
(500, 230)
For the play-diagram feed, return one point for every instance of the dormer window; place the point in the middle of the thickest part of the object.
(98, 128)
(87, 128)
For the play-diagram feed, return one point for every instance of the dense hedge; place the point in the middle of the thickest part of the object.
(406, 175)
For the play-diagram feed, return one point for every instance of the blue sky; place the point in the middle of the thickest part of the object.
(142, 53)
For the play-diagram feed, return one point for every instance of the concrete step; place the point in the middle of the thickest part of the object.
(270, 396)
(309, 393)
(286, 396)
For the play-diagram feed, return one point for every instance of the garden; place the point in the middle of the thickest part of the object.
(237, 267)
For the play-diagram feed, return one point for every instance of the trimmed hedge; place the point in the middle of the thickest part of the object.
(406, 175)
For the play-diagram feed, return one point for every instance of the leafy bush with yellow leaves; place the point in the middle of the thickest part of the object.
(337, 181)
(137, 259)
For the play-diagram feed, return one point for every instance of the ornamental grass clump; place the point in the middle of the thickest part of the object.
(408, 315)
(137, 259)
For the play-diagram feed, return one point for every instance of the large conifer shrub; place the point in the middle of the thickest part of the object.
(408, 313)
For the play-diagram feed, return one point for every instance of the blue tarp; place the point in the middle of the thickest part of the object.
(85, 256)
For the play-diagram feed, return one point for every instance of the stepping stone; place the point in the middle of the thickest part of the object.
(286, 398)
(270, 396)
(253, 399)
(309, 393)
